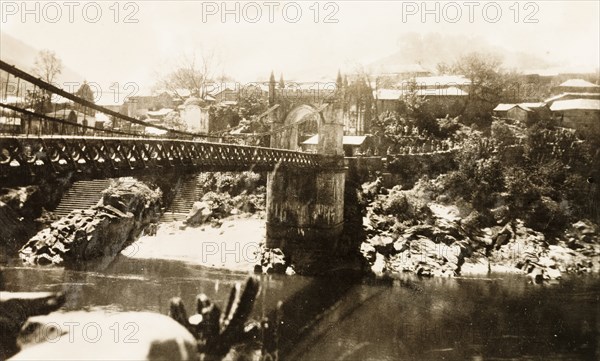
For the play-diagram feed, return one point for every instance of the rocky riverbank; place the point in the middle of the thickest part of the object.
(23, 211)
(102, 231)
(410, 231)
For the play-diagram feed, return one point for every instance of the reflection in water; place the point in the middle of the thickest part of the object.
(346, 318)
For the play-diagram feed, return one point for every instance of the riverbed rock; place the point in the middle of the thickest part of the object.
(201, 212)
(368, 251)
(100, 231)
(103, 335)
(271, 260)
(379, 265)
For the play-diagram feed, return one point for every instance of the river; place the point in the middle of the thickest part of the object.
(499, 317)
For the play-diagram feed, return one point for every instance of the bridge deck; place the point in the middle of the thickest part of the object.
(25, 160)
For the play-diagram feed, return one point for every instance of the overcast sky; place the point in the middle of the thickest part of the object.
(567, 32)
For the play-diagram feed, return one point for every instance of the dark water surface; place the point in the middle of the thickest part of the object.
(347, 318)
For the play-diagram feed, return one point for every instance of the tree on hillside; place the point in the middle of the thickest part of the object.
(47, 65)
(488, 85)
(416, 111)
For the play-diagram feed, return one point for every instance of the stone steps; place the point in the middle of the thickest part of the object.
(183, 201)
(81, 195)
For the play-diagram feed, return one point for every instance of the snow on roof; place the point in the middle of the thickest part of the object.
(575, 104)
(506, 107)
(396, 94)
(347, 140)
(579, 83)
(582, 95)
(160, 112)
(354, 139)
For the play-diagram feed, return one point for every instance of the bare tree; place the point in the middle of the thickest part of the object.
(47, 65)
(192, 73)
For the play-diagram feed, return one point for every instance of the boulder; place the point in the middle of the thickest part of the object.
(383, 244)
(272, 260)
(201, 212)
(100, 231)
(102, 335)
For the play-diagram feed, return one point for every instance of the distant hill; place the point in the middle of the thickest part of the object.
(22, 55)
(423, 52)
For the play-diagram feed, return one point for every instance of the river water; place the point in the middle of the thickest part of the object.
(347, 318)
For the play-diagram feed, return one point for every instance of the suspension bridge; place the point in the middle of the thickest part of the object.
(305, 191)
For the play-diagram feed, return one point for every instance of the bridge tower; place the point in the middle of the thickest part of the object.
(305, 209)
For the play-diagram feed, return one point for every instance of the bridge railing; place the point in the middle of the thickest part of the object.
(29, 159)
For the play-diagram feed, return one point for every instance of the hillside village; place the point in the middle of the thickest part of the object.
(572, 99)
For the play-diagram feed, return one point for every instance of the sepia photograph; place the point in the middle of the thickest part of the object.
(347, 180)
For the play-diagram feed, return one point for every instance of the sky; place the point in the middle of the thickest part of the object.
(136, 41)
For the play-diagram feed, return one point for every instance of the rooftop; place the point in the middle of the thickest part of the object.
(506, 107)
(578, 83)
(576, 104)
(566, 94)
(396, 94)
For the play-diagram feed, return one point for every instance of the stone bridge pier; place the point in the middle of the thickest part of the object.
(305, 208)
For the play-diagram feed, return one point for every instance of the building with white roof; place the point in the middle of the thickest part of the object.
(578, 86)
(580, 114)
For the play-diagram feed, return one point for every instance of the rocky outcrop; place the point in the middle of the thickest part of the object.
(14, 229)
(424, 250)
(405, 234)
(214, 206)
(82, 335)
(23, 212)
(516, 246)
(104, 230)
